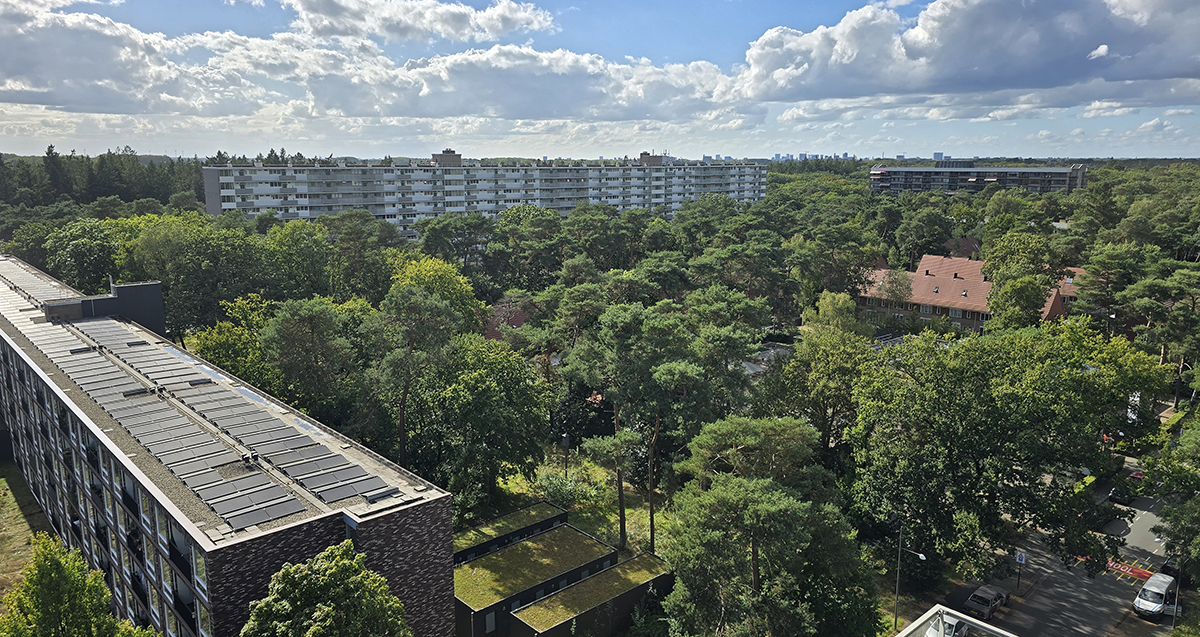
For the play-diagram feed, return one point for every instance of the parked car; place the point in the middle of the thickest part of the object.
(986, 600)
(951, 627)
(1122, 493)
(1156, 594)
(1173, 568)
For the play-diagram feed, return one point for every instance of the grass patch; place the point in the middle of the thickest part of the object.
(503, 525)
(577, 598)
(20, 517)
(517, 567)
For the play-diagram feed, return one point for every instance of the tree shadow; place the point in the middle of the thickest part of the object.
(20, 517)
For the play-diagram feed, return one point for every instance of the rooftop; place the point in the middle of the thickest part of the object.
(230, 458)
(569, 602)
(504, 524)
(517, 567)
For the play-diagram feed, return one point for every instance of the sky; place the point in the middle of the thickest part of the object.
(591, 78)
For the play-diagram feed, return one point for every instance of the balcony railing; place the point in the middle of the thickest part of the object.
(180, 560)
(186, 612)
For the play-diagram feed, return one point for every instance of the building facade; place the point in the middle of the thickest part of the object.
(406, 192)
(963, 176)
(187, 487)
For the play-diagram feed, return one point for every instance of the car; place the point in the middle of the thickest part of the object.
(1173, 568)
(1121, 493)
(950, 627)
(1154, 597)
(985, 601)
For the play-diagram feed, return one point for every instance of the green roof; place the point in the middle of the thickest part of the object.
(504, 524)
(517, 567)
(569, 602)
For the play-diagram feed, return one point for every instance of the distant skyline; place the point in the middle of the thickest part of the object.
(589, 78)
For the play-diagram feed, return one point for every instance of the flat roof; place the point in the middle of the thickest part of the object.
(977, 169)
(517, 567)
(232, 459)
(569, 602)
(504, 524)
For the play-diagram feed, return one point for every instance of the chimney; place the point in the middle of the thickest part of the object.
(956, 275)
(927, 273)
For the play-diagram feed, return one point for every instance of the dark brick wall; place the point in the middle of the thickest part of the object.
(239, 574)
(412, 548)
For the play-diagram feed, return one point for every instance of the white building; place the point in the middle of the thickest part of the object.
(407, 191)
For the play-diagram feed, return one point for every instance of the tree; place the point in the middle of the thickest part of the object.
(837, 311)
(817, 382)
(410, 334)
(896, 287)
(303, 342)
(234, 345)
(442, 279)
(955, 440)
(1023, 271)
(757, 547)
(296, 256)
(477, 418)
(82, 255)
(332, 595)
(58, 596)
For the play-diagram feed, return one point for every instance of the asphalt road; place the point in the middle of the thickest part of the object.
(1055, 600)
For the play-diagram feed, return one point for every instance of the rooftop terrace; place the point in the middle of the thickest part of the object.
(569, 602)
(518, 567)
(231, 459)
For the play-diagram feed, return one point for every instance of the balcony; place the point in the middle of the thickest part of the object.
(186, 612)
(130, 502)
(180, 560)
(139, 589)
(137, 548)
(93, 457)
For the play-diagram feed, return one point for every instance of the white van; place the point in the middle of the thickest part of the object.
(1156, 594)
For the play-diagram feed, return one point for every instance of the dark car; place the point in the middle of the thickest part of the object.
(1173, 568)
(985, 601)
(1122, 493)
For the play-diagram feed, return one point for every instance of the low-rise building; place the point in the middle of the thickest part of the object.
(950, 287)
(187, 487)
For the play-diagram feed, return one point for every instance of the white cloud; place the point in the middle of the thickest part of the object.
(1098, 52)
(398, 20)
(1172, 112)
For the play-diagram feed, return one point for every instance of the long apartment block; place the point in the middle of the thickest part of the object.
(963, 176)
(408, 191)
(187, 487)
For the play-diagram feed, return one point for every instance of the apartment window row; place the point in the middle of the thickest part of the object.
(95, 505)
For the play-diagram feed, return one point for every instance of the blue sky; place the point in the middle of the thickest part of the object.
(587, 78)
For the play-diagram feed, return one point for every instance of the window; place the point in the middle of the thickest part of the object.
(198, 568)
(489, 622)
(870, 301)
(205, 624)
(955, 313)
(926, 309)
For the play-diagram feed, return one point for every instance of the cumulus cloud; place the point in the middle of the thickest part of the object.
(977, 60)
(1172, 112)
(398, 20)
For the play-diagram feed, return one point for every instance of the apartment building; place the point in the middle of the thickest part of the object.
(952, 287)
(963, 176)
(187, 487)
(405, 191)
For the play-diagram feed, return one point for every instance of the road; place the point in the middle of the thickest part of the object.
(1056, 601)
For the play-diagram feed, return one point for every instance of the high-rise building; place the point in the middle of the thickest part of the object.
(963, 175)
(406, 192)
(186, 486)
(937, 156)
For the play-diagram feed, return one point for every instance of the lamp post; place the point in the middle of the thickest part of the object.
(566, 444)
(900, 551)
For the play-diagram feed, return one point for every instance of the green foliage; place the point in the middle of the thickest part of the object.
(332, 595)
(58, 596)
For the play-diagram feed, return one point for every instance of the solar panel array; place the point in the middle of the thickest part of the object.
(328, 475)
(188, 450)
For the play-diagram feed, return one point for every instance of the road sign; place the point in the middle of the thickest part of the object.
(1020, 557)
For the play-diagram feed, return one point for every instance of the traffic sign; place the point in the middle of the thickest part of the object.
(1020, 557)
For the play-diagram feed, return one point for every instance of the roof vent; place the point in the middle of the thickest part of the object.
(964, 292)
(935, 290)
(956, 275)
(927, 273)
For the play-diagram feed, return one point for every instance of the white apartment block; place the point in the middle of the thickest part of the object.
(407, 191)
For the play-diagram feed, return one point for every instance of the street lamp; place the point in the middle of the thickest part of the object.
(900, 551)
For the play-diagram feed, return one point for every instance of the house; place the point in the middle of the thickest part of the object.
(952, 287)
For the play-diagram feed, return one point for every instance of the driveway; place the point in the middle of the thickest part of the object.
(1057, 600)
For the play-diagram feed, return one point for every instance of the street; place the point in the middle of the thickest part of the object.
(1057, 601)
